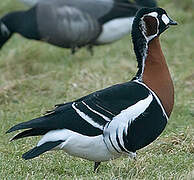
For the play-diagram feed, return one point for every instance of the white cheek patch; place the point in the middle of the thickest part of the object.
(165, 19)
(153, 14)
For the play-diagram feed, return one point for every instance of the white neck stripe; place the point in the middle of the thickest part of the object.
(148, 39)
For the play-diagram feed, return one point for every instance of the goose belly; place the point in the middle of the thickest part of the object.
(88, 147)
(91, 148)
(115, 30)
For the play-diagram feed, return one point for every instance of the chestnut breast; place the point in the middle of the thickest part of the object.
(157, 76)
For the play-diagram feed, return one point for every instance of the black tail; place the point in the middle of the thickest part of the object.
(40, 149)
(37, 123)
(39, 126)
(30, 132)
(35, 127)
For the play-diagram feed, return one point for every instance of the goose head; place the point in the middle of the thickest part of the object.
(148, 24)
(151, 22)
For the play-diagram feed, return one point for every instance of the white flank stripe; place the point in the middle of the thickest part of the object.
(87, 118)
(134, 111)
(120, 135)
(104, 117)
(158, 100)
(114, 141)
(121, 122)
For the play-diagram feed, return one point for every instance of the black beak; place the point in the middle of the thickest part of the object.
(172, 22)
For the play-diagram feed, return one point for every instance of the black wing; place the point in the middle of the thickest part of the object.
(87, 115)
(118, 97)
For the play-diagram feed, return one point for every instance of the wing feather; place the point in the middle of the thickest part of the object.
(93, 111)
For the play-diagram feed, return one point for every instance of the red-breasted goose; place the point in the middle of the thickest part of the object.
(73, 23)
(117, 120)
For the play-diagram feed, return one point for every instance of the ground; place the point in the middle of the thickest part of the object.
(35, 76)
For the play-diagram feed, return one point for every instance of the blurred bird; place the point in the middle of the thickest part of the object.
(31, 2)
(73, 23)
(140, 2)
(118, 120)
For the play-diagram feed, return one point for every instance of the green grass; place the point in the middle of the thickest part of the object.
(34, 76)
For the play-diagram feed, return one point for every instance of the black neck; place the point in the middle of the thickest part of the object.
(22, 22)
(140, 44)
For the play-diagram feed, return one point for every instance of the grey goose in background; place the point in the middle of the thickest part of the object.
(73, 23)
(150, 3)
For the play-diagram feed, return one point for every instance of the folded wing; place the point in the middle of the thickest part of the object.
(88, 115)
